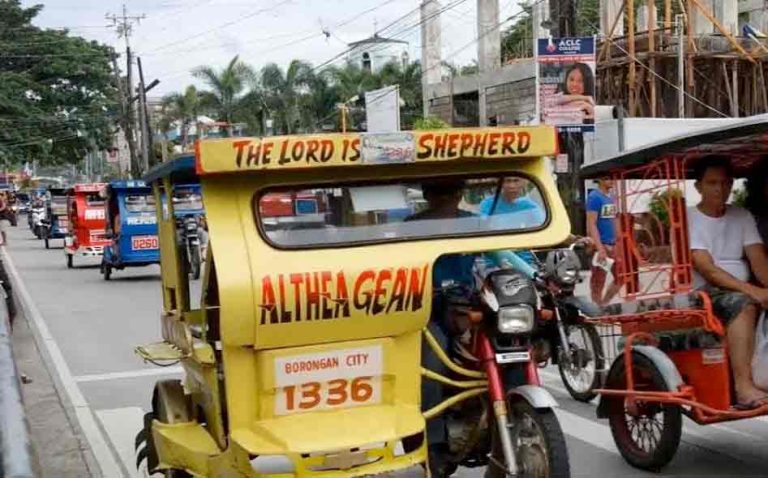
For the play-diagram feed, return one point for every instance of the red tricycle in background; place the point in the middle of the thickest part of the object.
(671, 350)
(85, 209)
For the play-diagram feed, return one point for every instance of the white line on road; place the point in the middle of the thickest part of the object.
(121, 425)
(586, 430)
(85, 417)
(149, 372)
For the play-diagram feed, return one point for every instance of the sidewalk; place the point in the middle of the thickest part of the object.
(60, 451)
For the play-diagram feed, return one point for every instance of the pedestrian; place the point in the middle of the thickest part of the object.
(5, 217)
(601, 213)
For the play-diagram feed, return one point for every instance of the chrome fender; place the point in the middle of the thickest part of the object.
(536, 396)
(659, 359)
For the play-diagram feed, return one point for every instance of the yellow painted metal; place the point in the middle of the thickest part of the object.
(314, 151)
(452, 383)
(435, 346)
(458, 398)
(258, 290)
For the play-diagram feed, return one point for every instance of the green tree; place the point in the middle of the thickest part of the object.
(182, 108)
(408, 78)
(284, 90)
(57, 92)
(227, 87)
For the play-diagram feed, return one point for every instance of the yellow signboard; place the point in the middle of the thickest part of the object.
(308, 151)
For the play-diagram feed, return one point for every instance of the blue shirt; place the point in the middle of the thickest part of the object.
(521, 213)
(605, 207)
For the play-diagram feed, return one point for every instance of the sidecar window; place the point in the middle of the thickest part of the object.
(396, 211)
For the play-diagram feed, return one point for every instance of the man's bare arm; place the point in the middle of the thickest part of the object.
(758, 261)
(705, 265)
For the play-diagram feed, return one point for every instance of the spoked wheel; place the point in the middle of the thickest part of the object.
(69, 261)
(581, 369)
(646, 433)
(538, 443)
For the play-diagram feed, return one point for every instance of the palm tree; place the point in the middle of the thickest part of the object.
(352, 81)
(284, 91)
(227, 86)
(181, 107)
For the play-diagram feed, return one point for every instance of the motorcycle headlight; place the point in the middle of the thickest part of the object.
(516, 319)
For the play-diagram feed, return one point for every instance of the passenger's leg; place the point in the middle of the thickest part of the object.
(741, 344)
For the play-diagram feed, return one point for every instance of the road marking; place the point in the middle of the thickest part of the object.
(85, 417)
(121, 426)
(586, 430)
(149, 372)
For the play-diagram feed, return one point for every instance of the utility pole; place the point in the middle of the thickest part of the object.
(125, 120)
(680, 67)
(146, 139)
(123, 24)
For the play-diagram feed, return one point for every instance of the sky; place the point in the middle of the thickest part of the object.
(178, 35)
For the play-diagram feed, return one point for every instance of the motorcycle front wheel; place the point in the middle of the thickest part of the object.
(582, 368)
(538, 443)
(194, 262)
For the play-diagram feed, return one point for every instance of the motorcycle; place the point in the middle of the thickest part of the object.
(188, 227)
(39, 221)
(566, 338)
(512, 429)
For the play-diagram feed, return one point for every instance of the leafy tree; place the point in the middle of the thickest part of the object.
(182, 108)
(227, 87)
(429, 122)
(408, 78)
(57, 93)
(283, 90)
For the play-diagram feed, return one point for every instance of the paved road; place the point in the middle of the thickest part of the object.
(90, 326)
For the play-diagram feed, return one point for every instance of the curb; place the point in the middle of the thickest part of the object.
(98, 455)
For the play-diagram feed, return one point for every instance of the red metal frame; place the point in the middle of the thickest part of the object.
(664, 280)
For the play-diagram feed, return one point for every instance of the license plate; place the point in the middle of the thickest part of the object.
(513, 357)
(143, 243)
(326, 380)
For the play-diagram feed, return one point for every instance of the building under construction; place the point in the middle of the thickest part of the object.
(649, 52)
(689, 58)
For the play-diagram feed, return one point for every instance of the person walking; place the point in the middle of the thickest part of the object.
(601, 213)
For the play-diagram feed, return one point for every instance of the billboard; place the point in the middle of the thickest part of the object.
(566, 82)
(382, 110)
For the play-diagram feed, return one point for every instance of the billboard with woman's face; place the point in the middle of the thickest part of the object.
(566, 74)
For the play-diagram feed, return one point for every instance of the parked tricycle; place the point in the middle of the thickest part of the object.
(56, 220)
(87, 222)
(131, 227)
(303, 358)
(671, 350)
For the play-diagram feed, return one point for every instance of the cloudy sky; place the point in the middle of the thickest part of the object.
(178, 35)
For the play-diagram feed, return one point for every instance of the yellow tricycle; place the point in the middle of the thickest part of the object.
(352, 281)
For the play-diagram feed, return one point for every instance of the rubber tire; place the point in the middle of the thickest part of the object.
(70, 259)
(107, 271)
(673, 421)
(545, 418)
(47, 243)
(597, 346)
(194, 263)
(162, 415)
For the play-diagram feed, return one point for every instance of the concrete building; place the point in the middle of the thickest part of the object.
(504, 94)
(373, 53)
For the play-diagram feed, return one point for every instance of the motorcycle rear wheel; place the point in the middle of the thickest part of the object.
(538, 441)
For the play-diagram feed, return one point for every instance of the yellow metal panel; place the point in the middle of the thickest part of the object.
(312, 151)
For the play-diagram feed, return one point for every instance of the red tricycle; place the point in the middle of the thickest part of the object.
(671, 354)
(85, 210)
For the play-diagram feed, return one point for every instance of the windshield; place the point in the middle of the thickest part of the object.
(187, 201)
(140, 203)
(400, 211)
(93, 199)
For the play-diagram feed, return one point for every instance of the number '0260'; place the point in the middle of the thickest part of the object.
(338, 392)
